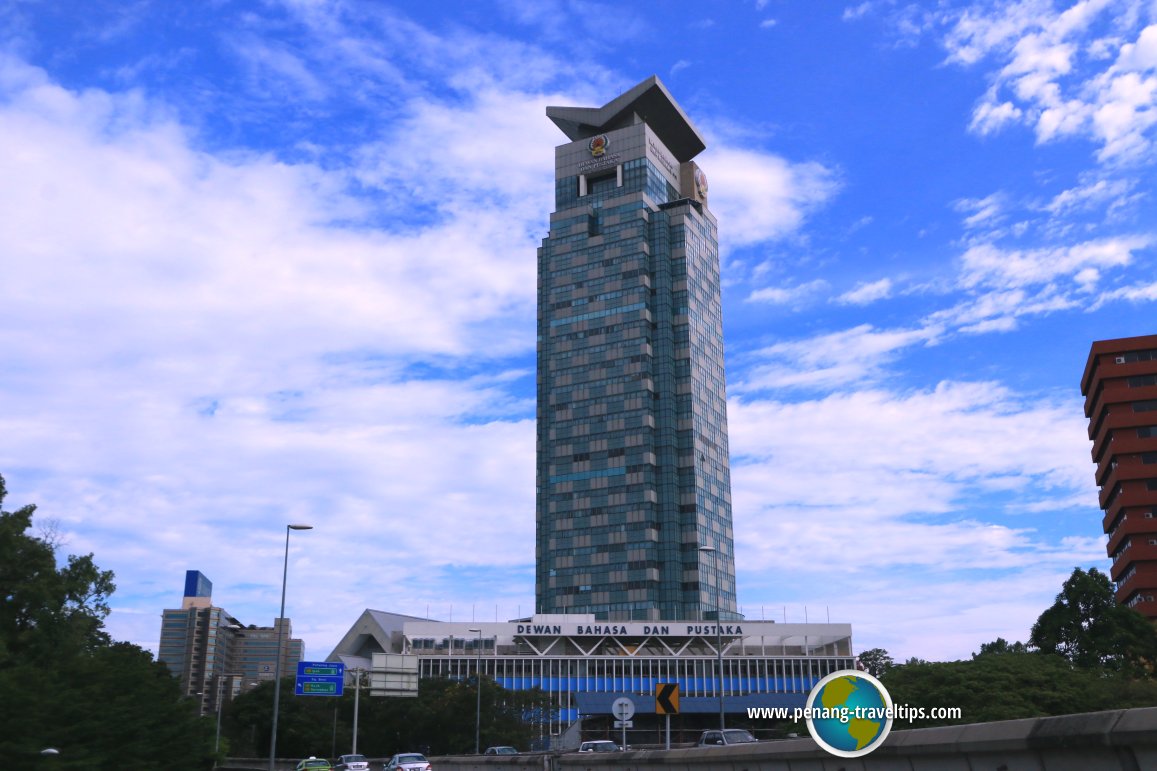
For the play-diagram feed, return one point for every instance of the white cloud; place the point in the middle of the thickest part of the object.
(1090, 194)
(793, 295)
(867, 293)
(830, 360)
(982, 212)
(1058, 74)
(872, 483)
(853, 12)
(990, 266)
(223, 344)
(760, 197)
(1141, 292)
(990, 117)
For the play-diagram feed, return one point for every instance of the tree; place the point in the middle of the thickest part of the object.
(440, 720)
(876, 661)
(1009, 686)
(999, 646)
(47, 612)
(1087, 626)
(65, 684)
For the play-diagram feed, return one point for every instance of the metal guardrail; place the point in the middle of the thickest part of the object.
(1118, 740)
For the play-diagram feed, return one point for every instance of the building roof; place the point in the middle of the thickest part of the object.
(650, 101)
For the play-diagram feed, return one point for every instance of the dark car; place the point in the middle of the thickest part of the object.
(500, 751)
(725, 738)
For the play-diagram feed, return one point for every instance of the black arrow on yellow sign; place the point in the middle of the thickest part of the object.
(667, 699)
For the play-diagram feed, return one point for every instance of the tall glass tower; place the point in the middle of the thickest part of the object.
(633, 479)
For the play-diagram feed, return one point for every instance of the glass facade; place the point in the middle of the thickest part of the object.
(214, 656)
(633, 471)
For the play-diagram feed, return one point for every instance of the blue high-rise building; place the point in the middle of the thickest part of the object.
(634, 491)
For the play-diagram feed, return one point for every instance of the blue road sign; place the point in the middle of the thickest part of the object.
(319, 678)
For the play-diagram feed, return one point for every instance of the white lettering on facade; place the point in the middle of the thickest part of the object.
(539, 629)
(599, 163)
(631, 630)
(712, 629)
(661, 156)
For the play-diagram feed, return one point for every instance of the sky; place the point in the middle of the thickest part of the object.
(274, 262)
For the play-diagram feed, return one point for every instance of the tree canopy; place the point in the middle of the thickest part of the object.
(1086, 653)
(434, 722)
(876, 661)
(64, 684)
(1087, 626)
(1012, 685)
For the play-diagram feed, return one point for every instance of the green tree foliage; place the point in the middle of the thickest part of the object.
(64, 684)
(1012, 685)
(999, 646)
(1089, 628)
(440, 720)
(48, 612)
(876, 661)
(1086, 654)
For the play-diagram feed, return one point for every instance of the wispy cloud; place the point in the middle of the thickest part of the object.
(1081, 71)
(865, 294)
(829, 361)
(763, 196)
(789, 295)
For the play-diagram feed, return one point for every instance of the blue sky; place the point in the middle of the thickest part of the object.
(272, 262)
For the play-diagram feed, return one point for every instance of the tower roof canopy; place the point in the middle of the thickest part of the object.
(651, 101)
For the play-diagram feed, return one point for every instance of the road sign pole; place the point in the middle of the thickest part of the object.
(668, 721)
(623, 709)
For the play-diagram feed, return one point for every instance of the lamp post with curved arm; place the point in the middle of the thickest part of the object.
(277, 665)
(478, 683)
(718, 630)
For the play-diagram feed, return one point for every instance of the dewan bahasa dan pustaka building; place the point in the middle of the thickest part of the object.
(634, 545)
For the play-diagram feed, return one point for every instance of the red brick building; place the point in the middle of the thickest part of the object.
(1120, 389)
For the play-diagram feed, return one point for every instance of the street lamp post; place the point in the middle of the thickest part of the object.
(217, 741)
(718, 627)
(357, 672)
(277, 665)
(478, 688)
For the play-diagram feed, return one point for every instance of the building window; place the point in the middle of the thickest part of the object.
(1148, 405)
(1140, 381)
(1134, 356)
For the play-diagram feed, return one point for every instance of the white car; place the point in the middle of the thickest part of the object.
(352, 763)
(603, 745)
(408, 761)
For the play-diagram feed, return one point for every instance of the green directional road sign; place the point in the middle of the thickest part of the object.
(666, 698)
(320, 678)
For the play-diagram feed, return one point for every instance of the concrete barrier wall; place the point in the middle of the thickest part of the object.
(1120, 740)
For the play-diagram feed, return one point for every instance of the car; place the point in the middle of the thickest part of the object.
(408, 761)
(314, 764)
(500, 751)
(725, 738)
(602, 745)
(352, 763)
